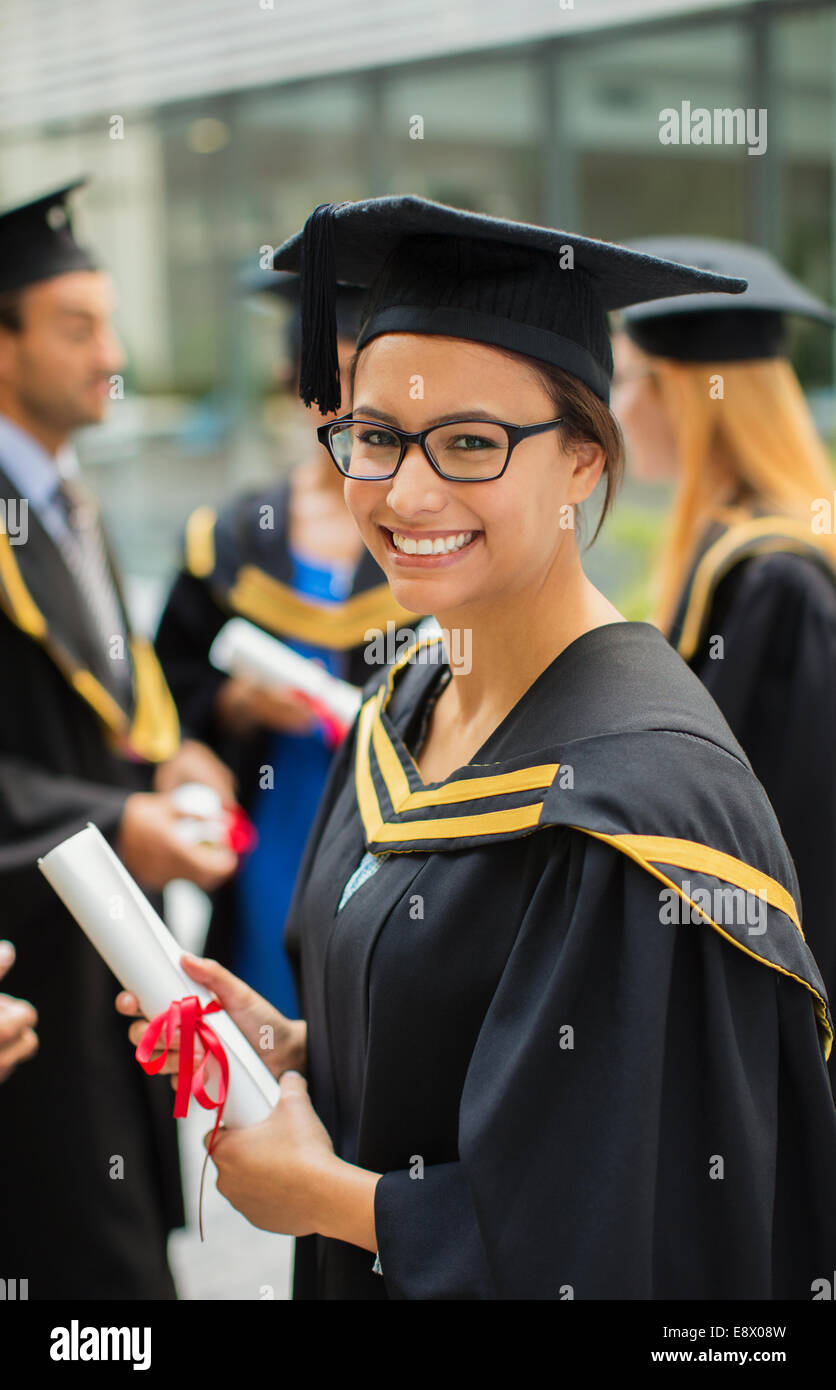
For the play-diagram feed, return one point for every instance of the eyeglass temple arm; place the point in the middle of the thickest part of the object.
(525, 431)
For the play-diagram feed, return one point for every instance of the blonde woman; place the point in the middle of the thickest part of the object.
(747, 579)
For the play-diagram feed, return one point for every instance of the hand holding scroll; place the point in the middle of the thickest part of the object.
(149, 846)
(279, 1041)
(18, 1039)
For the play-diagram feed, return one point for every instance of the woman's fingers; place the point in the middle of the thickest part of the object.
(234, 995)
(245, 1007)
(26, 1045)
(136, 1033)
(232, 992)
(15, 1015)
(7, 957)
(127, 1003)
(207, 865)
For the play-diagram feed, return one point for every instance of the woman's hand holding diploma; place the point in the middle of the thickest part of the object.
(243, 704)
(279, 1041)
(282, 1174)
(196, 762)
(149, 846)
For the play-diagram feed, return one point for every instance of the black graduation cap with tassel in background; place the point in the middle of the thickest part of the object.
(435, 269)
(711, 327)
(285, 286)
(37, 241)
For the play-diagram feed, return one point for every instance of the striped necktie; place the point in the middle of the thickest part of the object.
(84, 550)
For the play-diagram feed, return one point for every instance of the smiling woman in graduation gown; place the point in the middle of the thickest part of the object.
(564, 1036)
(748, 575)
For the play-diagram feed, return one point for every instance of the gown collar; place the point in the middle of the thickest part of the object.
(500, 792)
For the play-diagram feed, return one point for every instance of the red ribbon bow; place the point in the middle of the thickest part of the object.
(187, 1015)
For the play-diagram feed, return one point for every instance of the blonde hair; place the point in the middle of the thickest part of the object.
(756, 447)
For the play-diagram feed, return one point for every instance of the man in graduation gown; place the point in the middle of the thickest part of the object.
(89, 1177)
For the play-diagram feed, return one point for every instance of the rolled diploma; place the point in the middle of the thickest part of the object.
(242, 649)
(90, 880)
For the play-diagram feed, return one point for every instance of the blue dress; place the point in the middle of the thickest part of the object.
(283, 815)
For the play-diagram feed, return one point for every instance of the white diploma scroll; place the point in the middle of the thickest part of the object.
(244, 650)
(135, 943)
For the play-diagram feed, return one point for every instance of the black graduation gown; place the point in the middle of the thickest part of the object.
(567, 1093)
(769, 592)
(236, 565)
(66, 1224)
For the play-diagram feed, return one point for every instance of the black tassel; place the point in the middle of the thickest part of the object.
(319, 368)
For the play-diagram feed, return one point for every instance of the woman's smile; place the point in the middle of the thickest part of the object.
(428, 549)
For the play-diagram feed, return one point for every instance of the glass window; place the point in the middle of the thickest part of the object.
(467, 133)
(610, 97)
(804, 46)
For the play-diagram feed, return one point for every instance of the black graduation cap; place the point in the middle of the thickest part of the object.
(37, 242)
(441, 270)
(711, 328)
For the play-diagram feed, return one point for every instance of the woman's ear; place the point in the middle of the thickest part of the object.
(588, 462)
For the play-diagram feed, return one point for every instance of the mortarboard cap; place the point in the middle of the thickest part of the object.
(37, 242)
(712, 328)
(441, 270)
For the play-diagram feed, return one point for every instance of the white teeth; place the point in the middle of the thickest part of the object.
(438, 545)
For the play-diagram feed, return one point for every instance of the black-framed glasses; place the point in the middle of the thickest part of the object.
(462, 451)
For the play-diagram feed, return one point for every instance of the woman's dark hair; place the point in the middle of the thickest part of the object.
(587, 419)
(10, 311)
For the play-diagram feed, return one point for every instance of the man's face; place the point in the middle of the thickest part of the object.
(57, 368)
